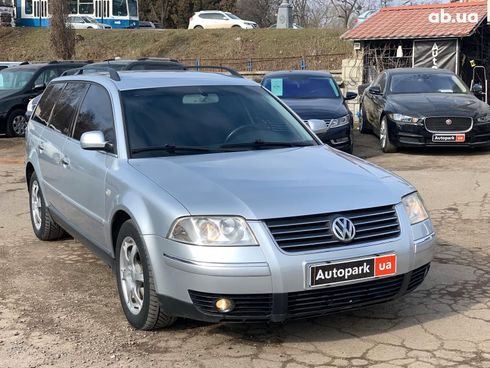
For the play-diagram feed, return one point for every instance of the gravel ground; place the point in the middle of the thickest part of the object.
(59, 305)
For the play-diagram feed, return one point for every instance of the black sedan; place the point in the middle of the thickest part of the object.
(317, 99)
(424, 107)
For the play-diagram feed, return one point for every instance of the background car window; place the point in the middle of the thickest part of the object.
(46, 76)
(95, 114)
(47, 101)
(206, 16)
(303, 87)
(427, 83)
(15, 78)
(65, 109)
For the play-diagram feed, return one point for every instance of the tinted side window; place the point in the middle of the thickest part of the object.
(66, 108)
(46, 76)
(47, 101)
(95, 114)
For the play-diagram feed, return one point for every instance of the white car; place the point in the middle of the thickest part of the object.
(85, 22)
(218, 19)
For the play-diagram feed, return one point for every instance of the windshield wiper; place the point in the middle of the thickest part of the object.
(258, 144)
(171, 148)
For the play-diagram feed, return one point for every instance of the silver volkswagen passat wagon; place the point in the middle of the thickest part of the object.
(211, 200)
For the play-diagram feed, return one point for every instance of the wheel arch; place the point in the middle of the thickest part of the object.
(29, 171)
(118, 219)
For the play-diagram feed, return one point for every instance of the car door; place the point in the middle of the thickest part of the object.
(378, 103)
(50, 146)
(85, 171)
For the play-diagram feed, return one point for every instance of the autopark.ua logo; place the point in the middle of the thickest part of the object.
(444, 17)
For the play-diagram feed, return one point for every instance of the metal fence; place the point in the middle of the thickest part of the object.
(313, 62)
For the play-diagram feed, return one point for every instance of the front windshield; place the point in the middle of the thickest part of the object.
(303, 86)
(15, 79)
(426, 83)
(213, 118)
(231, 15)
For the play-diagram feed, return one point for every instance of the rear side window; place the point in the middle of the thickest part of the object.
(66, 108)
(47, 102)
(95, 114)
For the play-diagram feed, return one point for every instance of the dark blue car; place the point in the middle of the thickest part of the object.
(317, 99)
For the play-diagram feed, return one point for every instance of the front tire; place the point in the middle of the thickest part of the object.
(16, 123)
(198, 27)
(43, 225)
(384, 137)
(135, 282)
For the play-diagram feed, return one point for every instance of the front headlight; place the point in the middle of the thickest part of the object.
(343, 120)
(485, 119)
(400, 118)
(414, 207)
(212, 231)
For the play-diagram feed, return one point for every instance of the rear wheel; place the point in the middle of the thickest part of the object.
(364, 126)
(384, 137)
(135, 282)
(43, 225)
(236, 26)
(198, 27)
(16, 123)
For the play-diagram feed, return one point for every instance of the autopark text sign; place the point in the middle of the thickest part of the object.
(435, 54)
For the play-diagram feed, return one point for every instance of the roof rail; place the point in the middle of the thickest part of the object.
(24, 63)
(112, 73)
(70, 61)
(233, 72)
(156, 59)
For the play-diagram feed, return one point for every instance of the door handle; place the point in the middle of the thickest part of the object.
(65, 162)
(40, 147)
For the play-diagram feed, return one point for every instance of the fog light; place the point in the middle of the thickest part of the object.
(224, 305)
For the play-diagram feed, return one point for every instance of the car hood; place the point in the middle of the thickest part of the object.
(436, 104)
(317, 108)
(265, 184)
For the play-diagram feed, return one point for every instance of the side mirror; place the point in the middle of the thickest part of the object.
(477, 89)
(350, 96)
(318, 126)
(93, 141)
(375, 90)
(39, 87)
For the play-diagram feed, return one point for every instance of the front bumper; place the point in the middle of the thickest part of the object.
(410, 135)
(268, 284)
(339, 138)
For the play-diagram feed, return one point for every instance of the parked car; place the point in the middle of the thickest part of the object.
(424, 107)
(218, 19)
(317, 99)
(149, 25)
(85, 22)
(18, 85)
(211, 200)
(139, 64)
(363, 16)
(31, 106)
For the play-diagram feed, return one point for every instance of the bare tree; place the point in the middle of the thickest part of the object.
(62, 36)
(345, 9)
(261, 11)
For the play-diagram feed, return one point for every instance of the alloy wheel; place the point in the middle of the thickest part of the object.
(383, 133)
(36, 204)
(19, 124)
(131, 275)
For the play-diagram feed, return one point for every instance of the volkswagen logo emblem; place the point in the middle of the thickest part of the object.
(449, 122)
(343, 229)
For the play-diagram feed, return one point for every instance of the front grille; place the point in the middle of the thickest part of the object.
(308, 233)
(417, 277)
(250, 306)
(332, 299)
(439, 124)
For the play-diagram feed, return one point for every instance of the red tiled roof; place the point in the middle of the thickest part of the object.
(413, 22)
